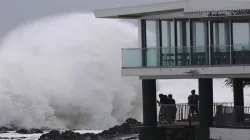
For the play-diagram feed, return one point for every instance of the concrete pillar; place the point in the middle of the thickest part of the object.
(238, 100)
(205, 107)
(148, 131)
(238, 92)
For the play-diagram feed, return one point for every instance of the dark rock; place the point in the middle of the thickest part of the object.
(130, 126)
(52, 135)
(57, 135)
(31, 131)
(90, 136)
(18, 138)
(70, 134)
(4, 129)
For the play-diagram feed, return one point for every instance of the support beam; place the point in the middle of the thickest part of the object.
(148, 131)
(205, 107)
(238, 92)
(238, 100)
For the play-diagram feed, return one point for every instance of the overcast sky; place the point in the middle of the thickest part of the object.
(14, 12)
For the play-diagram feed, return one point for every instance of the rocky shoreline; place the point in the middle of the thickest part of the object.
(129, 127)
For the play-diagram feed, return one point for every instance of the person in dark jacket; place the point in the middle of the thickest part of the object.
(193, 101)
(171, 109)
(163, 108)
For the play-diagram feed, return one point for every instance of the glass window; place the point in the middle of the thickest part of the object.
(219, 34)
(165, 33)
(199, 37)
(151, 34)
(172, 42)
(179, 32)
(199, 34)
(168, 43)
(240, 35)
(188, 33)
(219, 37)
(151, 42)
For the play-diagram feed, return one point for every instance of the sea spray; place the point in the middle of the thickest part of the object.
(64, 72)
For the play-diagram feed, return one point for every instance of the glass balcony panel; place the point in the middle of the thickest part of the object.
(183, 56)
(152, 57)
(241, 54)
(132, 58)
(168, 56)
(199, 56)
(220, 55)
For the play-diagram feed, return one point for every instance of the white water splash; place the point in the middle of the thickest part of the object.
(64, 72)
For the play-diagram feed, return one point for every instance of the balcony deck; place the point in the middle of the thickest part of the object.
(168, 57)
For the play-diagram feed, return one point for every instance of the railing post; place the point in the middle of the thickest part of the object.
(207, 43)
(159, 43)
(191, 42)
(184, 43)
(231, 42)
(211, 43)
(143, 43)
(175, 43)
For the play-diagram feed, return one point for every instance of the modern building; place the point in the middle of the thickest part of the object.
(189, 39)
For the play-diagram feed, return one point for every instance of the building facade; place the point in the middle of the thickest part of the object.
(187, 39)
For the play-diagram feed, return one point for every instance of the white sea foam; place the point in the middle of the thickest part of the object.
(64, 72)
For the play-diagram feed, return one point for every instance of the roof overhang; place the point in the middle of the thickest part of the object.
(174, 9)
(135, 12)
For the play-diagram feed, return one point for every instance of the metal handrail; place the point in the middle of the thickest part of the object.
(225, 114)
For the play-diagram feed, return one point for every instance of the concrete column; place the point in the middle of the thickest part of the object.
(238, 100)
(148, 131)
(205, 107)
(238, 92)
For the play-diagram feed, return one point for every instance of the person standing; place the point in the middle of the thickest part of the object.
(193, 101)
(171, 113)
(163, 108)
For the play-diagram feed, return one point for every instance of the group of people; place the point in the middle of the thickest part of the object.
(168, 108)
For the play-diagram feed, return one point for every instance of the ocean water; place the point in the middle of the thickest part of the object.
(15, 136)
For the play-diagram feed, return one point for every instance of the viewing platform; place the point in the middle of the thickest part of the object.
(170, 57)
(224, 115)
(187, 62)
